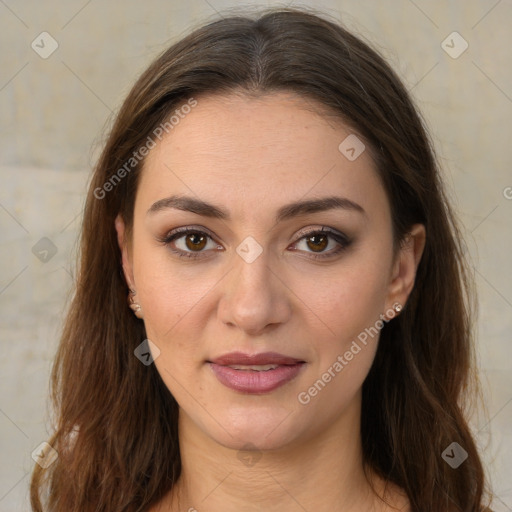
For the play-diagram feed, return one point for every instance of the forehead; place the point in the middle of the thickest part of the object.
(255, 154)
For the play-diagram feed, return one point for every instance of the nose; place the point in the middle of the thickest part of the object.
(255, 297)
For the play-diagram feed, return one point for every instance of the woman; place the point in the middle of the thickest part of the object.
(297, 332)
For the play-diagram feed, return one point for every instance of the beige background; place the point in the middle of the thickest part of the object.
(52, 114)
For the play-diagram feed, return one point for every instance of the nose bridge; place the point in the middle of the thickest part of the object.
(253, 297)
(252, 266)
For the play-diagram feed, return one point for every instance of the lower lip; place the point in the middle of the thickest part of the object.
(253, 381)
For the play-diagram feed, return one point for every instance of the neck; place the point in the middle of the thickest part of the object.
(323, 472)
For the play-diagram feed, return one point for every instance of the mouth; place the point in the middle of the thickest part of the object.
(255, 367)
(255, 373)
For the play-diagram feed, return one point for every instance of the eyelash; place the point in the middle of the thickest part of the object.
(341, 239)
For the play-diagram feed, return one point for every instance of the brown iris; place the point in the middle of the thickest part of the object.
(195, 241)
(317, 246)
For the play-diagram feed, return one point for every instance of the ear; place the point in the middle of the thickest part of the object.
(405, 265)
(124, 246)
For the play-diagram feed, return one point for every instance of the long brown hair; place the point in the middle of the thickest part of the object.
(116, 422)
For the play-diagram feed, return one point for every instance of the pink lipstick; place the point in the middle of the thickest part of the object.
(255, 373)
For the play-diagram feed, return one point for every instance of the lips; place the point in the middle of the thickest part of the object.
(255, 373)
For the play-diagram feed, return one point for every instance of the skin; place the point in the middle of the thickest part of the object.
(250, 157)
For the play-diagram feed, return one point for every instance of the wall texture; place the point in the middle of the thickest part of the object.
(57, 91)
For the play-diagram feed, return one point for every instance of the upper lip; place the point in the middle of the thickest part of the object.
(240, 358)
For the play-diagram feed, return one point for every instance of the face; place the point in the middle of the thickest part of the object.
(266, 313)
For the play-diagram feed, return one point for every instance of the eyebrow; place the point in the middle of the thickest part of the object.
(295, 209)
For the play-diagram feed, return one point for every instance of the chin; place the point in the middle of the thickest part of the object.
(255, 428)
(255, 439)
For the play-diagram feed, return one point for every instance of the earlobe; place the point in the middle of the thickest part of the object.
(406, 265)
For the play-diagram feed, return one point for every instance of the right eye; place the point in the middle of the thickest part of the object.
(188, 242)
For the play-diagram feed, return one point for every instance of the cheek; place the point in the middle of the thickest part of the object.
(349, 312)
(344, 301)
(170, 292)
(345, 357)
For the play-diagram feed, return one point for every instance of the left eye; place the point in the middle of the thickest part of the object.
(318, 242)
